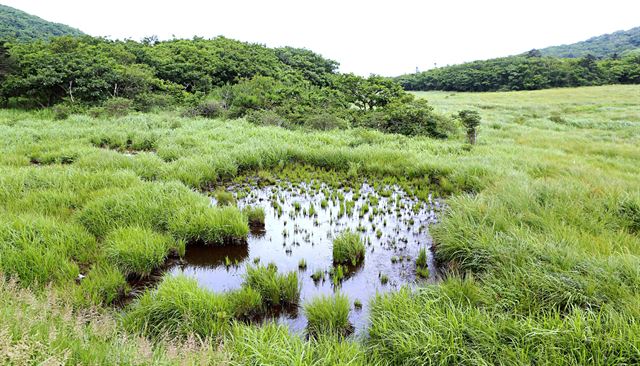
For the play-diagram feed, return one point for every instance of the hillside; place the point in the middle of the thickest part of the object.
(606, 45)
(16, 24)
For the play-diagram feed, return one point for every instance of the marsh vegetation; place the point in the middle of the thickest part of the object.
(537, 245)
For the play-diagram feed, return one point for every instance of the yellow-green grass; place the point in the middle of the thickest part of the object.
(538, 244)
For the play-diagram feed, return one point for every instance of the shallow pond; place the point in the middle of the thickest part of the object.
(393, 226)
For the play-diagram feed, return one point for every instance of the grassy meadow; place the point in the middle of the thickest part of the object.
(539, 245)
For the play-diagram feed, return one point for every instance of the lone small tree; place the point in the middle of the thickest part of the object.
(471, 121)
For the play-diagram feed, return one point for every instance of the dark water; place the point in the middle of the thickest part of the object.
(293, 236)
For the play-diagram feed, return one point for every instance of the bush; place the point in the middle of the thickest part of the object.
(117, 107)
(348, 248)
(267, 118)
(328, 315)
(326, 122)
(136, 250)
(64, 110)
(209, 108)
(417, 118)
(275, 288)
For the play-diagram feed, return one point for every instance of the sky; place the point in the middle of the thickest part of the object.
(388, 38)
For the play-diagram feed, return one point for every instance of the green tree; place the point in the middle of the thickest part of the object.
(471, 120)
(370, 93)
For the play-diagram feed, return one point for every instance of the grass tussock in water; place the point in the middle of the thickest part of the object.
(328, 315)
(179, 306)
(255, 216)
(276, 288)
(348, 248)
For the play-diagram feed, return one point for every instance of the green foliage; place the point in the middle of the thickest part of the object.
(470, 120)
(224, 198)
(275, 288)
(605, 46)
(348, 248)
(255, 215)
(525, 73)
(370, 93)
(179, 307)
(103, 285)
(246, 302)
(20, 26)
(215, 78)
(417, 118)
(326, 122)
(328, 315)
(164, 207)
(136, 250)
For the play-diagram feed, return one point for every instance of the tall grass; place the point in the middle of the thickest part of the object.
(180, 307)
(348, 248)
(137, 250)
(275, 288)
(538, 243)
(328, 315)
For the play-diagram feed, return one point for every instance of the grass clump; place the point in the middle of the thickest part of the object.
(210, 225)
(275, 288)
(103, 285)
(422, 269)
(348, 248)
(164, 207)
(328, 315)
(302, 264)
(136, 250)
(179, 307)
(317, 275)
(224, 198)
(255, 216)
(245, 302)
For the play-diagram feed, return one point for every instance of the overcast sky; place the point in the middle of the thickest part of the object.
(382, 37)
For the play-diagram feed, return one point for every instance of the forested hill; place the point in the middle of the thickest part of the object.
(18, 25)
(607, 45)
(608, 59)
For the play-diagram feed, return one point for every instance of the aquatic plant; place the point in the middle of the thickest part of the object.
(348, 248)
(328, 315)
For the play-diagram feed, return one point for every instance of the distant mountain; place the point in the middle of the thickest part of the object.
(607, 45)
(18, 25)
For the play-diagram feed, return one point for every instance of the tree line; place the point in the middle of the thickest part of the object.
(220, 78)
(527, 72)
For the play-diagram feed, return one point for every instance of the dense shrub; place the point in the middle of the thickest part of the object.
(117, 107)
(64, 110)
(325, 122)
(209, 108)
(526, 72)
(267, 118)
(417, 118)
